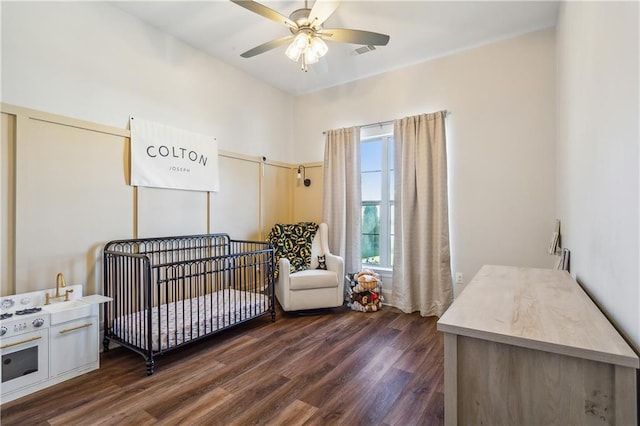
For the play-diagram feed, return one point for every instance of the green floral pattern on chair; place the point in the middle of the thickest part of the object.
(292, 241)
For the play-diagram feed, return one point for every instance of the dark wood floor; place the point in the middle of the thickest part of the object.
(337, 368)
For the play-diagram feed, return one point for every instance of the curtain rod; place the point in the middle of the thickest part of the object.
(383, 123)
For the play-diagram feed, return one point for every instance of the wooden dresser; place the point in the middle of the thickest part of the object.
(527, 346)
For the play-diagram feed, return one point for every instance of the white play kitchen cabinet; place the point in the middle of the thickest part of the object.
(47, 337)
(73, 344)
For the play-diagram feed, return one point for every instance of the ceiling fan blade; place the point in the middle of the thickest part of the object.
(321, 11)
(355, 36)
(262, 10)
(267, 46)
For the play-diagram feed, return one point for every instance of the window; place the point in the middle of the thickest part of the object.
(376, 165)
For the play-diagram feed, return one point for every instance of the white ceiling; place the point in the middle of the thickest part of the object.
(419, 30)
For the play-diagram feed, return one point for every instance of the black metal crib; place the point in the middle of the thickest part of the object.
(168, 292)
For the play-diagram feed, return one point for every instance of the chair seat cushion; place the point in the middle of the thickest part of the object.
(313, 278)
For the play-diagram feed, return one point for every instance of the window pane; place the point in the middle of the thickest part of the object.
(377, 178)
(371, 234)
(371, 155)
(391, 231)
(371, 186)
(392, 173)
(371, 256)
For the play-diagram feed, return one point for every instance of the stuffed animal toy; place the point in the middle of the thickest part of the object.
(366, 282)
(322, 263)
(365, 292)
(369, 307)
(365, 272)
(365, 297)
(357, 307)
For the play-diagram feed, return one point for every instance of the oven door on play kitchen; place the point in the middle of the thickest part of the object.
(24, 360)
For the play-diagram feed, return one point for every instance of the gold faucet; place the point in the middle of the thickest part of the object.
(59, 283)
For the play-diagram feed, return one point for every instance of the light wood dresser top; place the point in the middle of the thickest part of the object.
(541, 309)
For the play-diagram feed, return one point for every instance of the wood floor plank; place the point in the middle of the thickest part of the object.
(135, 417)
(165, 397)
(415, 398)
(295, 414)
(348, 360)
(401, 321)
(300, 355)
(199, 409)
(240, 401)
(338, 367)
(409, 335)
(273, 404)
(89, 410)
(420, 350)
(69, 401)
(373, 406)
(381, 363)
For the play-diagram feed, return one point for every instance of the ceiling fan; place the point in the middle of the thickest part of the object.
(307, 33)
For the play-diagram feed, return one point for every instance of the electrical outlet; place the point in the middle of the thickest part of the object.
(459, 278)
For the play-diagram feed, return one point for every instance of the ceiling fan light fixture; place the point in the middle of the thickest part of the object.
(307, 46)
(318, 46)
(297, 47)
(301, 40)
(310, 57)
(293, 52)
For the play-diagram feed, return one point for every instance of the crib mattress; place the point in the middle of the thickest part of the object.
(178, 322)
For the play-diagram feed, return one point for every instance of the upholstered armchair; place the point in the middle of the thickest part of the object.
(308, 287)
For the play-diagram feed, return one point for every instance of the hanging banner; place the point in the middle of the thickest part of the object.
(166, 157)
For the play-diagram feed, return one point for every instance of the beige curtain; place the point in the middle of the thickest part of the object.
(421, 262)
(341, 198)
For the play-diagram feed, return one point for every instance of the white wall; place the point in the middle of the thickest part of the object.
(500, 141)
(91, 61)
(598, 147)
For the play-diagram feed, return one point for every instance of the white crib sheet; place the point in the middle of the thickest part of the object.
(190, 318)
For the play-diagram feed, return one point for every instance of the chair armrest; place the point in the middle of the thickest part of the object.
(285, 269)
(283, 282)
(336, 264)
